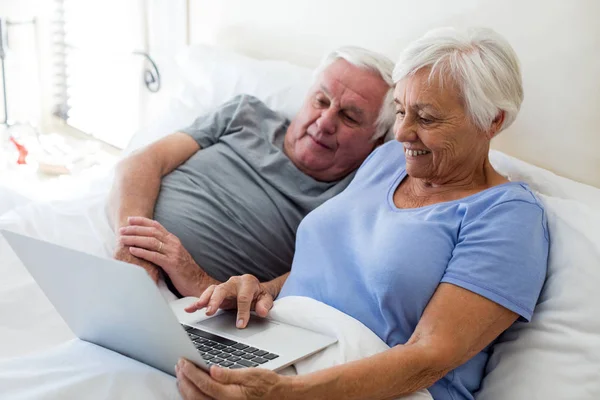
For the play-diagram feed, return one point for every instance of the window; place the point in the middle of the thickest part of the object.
(98, 81)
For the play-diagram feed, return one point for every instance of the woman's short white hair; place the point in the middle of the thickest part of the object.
(480, 61)
(374, 62)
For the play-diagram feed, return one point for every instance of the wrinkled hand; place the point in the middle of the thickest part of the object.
(122, 253)
(150, 241)
(242, 292)
(234, 384)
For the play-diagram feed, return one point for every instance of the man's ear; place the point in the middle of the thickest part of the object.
(496, 124)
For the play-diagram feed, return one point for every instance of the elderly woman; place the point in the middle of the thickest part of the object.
(429, 246)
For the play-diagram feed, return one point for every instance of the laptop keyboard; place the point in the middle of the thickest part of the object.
(217, 350)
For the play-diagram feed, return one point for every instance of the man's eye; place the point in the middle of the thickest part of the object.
(425, 121)
(350, 119)
(321, 101)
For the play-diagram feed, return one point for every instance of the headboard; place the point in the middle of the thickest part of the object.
(558, 43)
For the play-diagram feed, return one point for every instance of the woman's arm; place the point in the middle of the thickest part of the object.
(243, 293)
(455, 326)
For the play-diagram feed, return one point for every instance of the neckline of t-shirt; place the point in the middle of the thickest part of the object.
(402, 174)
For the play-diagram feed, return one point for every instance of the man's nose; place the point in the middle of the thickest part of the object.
(327, 122)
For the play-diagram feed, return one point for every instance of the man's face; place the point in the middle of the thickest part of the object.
(332, 133)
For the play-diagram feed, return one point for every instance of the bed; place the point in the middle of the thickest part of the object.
(268, 49)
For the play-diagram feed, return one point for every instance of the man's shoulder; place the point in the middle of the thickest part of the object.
(244, 103)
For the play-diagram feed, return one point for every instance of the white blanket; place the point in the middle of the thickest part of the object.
(10, 199)
(40, 357)
(79, 369)
(79, 224)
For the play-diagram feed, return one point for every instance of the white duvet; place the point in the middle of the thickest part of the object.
(80, 369)
(41, 359)
(564, 331)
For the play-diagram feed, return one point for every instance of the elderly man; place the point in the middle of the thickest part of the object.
(225, 196)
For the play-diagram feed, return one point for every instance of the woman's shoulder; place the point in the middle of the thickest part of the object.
(388, 155)
(510, 192)
(509, 201)
(392, 148)
(383, 164)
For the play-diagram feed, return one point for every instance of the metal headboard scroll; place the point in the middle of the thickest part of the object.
(151, 74)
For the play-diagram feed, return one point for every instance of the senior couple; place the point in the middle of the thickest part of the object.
(419, 238)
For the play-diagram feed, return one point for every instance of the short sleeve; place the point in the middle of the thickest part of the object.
(209, 128)
(502, 255)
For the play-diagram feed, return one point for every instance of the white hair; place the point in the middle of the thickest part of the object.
(479, 61)
(374, 62)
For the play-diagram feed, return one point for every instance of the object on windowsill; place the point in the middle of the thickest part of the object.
(53, 169)
(22, 151)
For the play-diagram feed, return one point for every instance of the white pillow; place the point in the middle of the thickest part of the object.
(213, 75)
(557, 354)
(210, 76)
(544, 181)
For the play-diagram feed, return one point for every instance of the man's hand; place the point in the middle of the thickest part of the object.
(242, 292)
(123, 254)
(150, 241)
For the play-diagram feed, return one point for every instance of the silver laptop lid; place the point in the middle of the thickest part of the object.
(84, 290)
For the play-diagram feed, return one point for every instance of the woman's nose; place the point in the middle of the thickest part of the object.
(404, 131)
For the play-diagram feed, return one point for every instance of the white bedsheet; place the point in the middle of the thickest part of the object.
(30, 325)
(41, 358)
(79, 224)
(80, 369)
(9, 199)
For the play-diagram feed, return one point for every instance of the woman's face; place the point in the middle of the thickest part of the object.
(441, 143)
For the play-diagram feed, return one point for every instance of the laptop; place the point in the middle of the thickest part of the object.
(117, 306)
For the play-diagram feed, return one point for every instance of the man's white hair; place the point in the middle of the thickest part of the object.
(479, 61)
(374, 62)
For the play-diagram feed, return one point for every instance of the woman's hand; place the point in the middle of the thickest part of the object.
(242, 292)
(150, 241)
(234, 384)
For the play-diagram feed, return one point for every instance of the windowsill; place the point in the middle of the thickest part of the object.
(74, 134)
(60, 165)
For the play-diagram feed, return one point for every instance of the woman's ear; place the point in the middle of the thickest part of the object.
(496, 125)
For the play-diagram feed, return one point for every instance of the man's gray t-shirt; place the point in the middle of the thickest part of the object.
(236, 204)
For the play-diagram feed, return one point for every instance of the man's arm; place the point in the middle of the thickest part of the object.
(137, 183)
(138, 177)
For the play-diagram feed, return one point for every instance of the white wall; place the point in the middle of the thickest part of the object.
(166, 38)
(558, 42)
